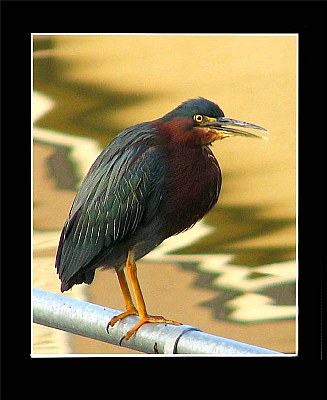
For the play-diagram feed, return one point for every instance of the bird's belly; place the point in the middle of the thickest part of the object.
(190, 194)
(183, 216)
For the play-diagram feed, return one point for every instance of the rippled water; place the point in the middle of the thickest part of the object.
(234, 273)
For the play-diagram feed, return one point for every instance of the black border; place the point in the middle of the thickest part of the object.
(182, 377)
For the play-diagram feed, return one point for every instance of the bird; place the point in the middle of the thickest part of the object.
(154, 180)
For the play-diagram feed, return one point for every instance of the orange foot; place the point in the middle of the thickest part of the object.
(131, 311)
(156, 319)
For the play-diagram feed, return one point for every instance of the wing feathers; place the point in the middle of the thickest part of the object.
(113, 199)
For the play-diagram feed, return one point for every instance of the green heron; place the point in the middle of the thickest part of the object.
(154, 180)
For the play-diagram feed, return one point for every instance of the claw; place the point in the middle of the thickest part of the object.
(122, 315)
(114, 320)
(154, 319)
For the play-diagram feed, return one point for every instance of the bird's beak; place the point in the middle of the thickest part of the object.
(224, 128)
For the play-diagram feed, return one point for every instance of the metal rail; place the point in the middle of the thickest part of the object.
(90, 320)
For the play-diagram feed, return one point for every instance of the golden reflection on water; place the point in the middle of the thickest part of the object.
(243, 269)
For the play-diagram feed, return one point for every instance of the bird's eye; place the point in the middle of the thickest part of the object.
(198, 118)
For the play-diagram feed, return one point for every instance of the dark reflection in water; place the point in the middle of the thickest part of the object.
(235, 224)
(282, 294)
(86, 110)
(81, 109)
(61, 170)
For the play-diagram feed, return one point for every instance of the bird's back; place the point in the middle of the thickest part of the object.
(121, 190)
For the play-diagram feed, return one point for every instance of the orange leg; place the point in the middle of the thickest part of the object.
(129, 306)
(144, 317)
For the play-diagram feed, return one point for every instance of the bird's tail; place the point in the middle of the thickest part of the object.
(80, 277)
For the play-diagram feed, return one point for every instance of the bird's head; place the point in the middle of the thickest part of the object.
(200, 122)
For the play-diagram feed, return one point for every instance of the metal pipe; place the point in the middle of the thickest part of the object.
(90, 320)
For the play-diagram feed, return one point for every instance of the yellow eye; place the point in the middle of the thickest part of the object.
(198, 118)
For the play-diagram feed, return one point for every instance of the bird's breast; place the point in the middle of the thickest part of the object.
(191, 188)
